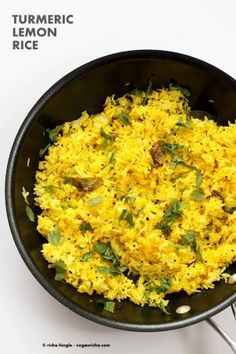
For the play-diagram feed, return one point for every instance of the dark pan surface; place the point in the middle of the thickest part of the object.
(86, 89)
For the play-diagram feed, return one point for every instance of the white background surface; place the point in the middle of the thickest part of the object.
(29, 316)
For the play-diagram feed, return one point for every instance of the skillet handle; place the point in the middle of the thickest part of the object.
(222, 333)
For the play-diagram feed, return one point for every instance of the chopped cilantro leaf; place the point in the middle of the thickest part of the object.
(107, 253)
(170, 216)
(178, 161)
(164, 227)
(130, 199)
(197, 251)
(127, 216)
(104, 270)
(129, 219)
(86, 256)
(169, 148)
(49, 188)
(60, 270)
(85, 227)
(101, 247)
(175, 161)
(198, 178)
(115, 270)
(183, 90)
(232, 210)
(189, 237)
(112, 161)
(147, 92)
(105, 250)
(44, 150)
(53, 133)
(109, 306)
(124, 118)
(112, 158)
(197, 194)
(30, 213)
(164, 286)
(162, 307)
(174, 211)
(118, 270)
(55, 237)
(106, 136)
(180, 123)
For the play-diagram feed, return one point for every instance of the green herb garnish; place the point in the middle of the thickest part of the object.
(174, 211)
(107, 253)
(52, 138)
(95, 201)
(85, 227)
(199, 178)
(112, 161)
(124, 118)
(197, 194)
(178, 161)
(112, 158)
(44, 150)
(163, 287)
(30, 213)
(183, 90)
(170, 216)
(60, 270)
(164, 227)
(189, 239)
(101, 247)
(127, 216)
(147, 92)
(104, 270)
(232, 210)
(49, 188)
(181, 123)
(55, 237)
(107, 136)
(128, 198)
(196, 249)
(53, 133)
(86, 256)
(169, 148)
(119, 270)
(109, 306)
(162, 307)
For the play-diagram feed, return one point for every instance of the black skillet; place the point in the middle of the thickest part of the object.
(85, 88)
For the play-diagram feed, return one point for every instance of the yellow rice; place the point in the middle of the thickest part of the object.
(132, 182)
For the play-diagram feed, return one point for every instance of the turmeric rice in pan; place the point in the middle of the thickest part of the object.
(139, 201)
